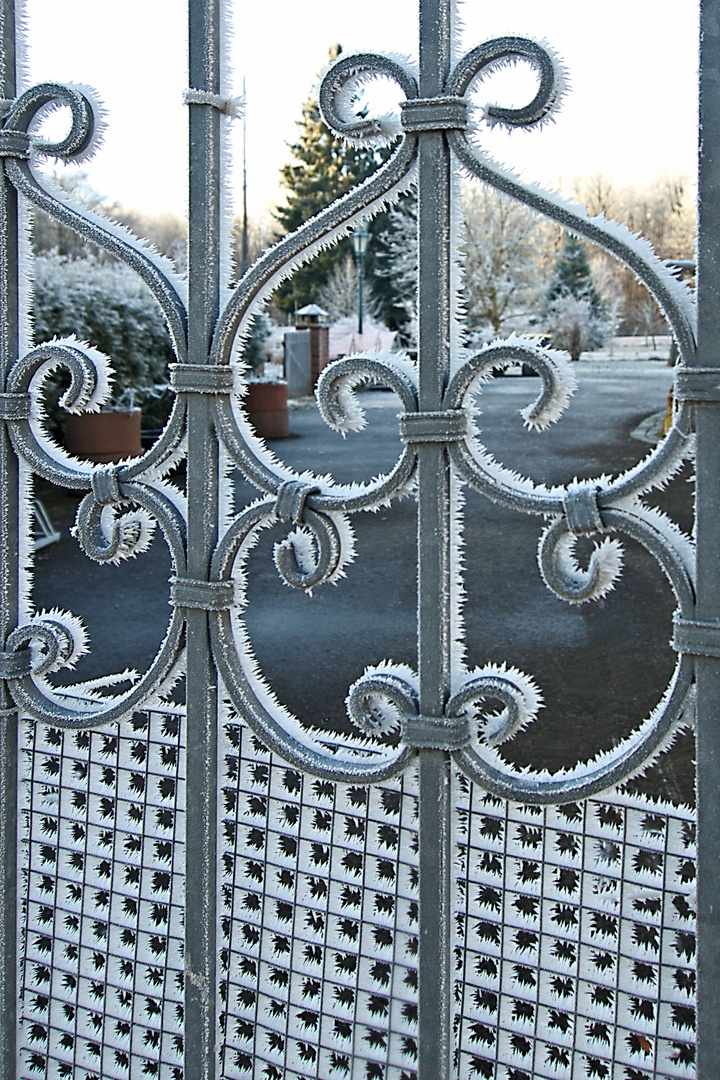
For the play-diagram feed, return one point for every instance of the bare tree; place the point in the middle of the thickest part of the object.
(664, 212)
(506, 248)
(339, 295)
(261, 234)
(167, 231)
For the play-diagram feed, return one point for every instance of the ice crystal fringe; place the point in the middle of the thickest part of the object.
(458, 647)
(90, 398)
(386, 716)
(673, 536)
(76, 638)
(561, 86)
(554, 367)
(380, 131)
(22, 66)
(227, 33)
(600, 578)
(136, 531)
(497, 728)
(503, 478)
(302, 543)
(26, 547)
(99, 112)
(129, 675)
(160, 699)
(161, 469)
(457, 272)
(603, 759)
(658, 477)
(339, 407)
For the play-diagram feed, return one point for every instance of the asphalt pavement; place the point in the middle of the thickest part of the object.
(601, 667)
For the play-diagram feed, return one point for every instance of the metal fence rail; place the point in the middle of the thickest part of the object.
(218, 889)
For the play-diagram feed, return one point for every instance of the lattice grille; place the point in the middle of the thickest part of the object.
(576, 942)
(320, 892)
(103, 881)
(575, 924)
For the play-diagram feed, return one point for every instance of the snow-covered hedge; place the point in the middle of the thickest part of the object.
(107, 305)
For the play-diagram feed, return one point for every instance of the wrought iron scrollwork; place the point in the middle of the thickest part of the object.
(117, 517)
(601, 507)
(118, 514)
(445, 715)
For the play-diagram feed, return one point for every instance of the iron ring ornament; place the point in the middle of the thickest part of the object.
(123, 505)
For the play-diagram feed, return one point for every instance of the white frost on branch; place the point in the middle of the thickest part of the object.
(573, 325)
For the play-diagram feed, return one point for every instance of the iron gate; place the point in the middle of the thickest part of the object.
(400, 903)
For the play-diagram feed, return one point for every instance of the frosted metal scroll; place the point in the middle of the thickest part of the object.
(441, 727)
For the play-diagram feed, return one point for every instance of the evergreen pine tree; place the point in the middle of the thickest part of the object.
(323, 168)
(572, 276)
(575, 313)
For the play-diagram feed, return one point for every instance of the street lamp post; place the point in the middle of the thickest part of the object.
(360, 240)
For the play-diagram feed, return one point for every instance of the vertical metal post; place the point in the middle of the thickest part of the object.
(9, 584)
(202, 484)
(708, 546)
(435, 945)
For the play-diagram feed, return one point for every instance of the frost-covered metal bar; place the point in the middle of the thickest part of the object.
(434, 556)
(9, 580)
(202, 492)
(707, 422)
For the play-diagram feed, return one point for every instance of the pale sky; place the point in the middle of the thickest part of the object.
(631, 113)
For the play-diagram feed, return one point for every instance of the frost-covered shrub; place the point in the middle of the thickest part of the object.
(505, 269)
(395, 269)
(107, 305)
(574, 326)
(340, 293)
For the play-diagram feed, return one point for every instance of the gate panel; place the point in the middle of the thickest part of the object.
(219, 888)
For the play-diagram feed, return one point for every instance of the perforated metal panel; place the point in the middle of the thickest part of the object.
(575, 927)
(102, 881)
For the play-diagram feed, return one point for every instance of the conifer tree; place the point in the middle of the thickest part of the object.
(322, 169)
(575, 314)
(572, 276)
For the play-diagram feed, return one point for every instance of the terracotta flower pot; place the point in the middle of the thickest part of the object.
(267, 408)
(104, 436)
